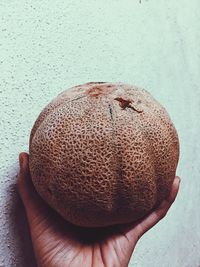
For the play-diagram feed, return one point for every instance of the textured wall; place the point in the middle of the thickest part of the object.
(48, 46)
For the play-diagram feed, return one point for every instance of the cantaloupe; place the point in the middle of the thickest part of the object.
(103, 154)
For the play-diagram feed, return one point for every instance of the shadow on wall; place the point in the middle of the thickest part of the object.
(19, 230)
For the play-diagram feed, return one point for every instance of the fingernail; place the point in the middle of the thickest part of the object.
(20, 161)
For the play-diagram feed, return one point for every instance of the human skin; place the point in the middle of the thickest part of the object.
(58, 243)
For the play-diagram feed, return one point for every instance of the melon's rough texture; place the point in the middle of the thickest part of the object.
(103, 154)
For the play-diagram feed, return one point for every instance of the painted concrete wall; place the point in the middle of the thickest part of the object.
(48, 46)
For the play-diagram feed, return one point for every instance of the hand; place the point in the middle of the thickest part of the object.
(58, 243)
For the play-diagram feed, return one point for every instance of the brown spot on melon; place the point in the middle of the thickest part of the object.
(99, 89)
(97, 161)
(127, 103)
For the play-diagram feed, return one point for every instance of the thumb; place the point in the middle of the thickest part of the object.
(24, 183)
(33, 203)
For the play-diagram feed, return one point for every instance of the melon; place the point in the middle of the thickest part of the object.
(103, 154)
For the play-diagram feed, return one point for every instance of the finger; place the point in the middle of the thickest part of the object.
(154, 217)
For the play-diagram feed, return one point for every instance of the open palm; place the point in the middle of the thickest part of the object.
(58, 243)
